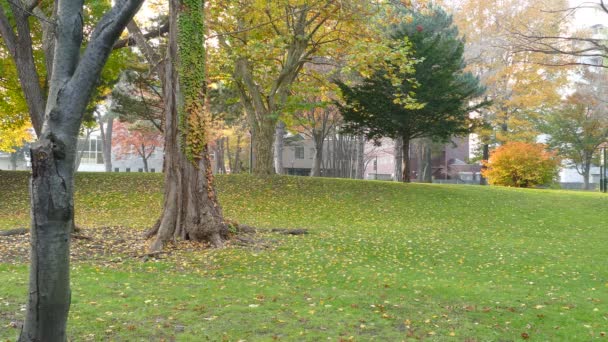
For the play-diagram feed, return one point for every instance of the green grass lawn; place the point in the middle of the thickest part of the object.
(384, 261)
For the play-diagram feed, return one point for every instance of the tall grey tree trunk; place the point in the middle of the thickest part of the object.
(406, 178)
(586, 171)
(485, 157)
(52, 183)
(106, 139)
(278, 147)
(229, 154)
(263, 158)
(318, 140)
(425, 171)
(13, 159)
(360, 157)
(398, 153)
(237, 155)
(190, 209)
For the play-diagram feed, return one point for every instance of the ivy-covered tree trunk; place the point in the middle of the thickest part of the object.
(191, 210)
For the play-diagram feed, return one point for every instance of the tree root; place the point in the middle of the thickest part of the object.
(16, 231)
(297, 231)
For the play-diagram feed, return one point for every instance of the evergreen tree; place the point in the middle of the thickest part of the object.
(441, 87)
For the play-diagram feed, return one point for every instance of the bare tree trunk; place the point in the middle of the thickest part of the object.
(278, 147)
(360, 157)
(586, 171)
(262, 148)
(398, 153)
(406, 160)
(228, 154)
(237, 155)
(425, 172)
(107, 144)
(52, 183)
(318, 140)
(145, 160)
(13, 160)
(485, 157)
(190, 209)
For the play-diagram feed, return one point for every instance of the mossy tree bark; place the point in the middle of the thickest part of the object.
(191, 210)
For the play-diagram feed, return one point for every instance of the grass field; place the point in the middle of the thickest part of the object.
(383, 261)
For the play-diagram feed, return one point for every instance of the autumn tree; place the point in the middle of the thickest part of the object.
(521, 164)
(140, 139)
(518, 85)
(375, 106)
(264, 46)
(583, 47)
(578, 127)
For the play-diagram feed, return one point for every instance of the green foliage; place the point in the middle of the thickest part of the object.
(522, 165)
(382, 261)
(577, 129)
(442, 88)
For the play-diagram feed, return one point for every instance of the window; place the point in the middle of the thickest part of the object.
(91, 149)
(299, 150)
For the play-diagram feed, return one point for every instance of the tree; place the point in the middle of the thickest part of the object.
(190, 210)
(577, 129)
(518, 85)
(72, 80)
(521, 164)
(264, 46)
(139, 138)
(375, 107)
(581, 48)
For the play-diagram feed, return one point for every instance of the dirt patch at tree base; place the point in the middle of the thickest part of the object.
(116, 244)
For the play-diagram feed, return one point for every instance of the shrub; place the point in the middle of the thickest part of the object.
(521, 164)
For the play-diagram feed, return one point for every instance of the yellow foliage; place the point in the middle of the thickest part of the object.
(12, 137)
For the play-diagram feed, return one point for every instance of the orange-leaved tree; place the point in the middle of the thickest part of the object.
(521, 164)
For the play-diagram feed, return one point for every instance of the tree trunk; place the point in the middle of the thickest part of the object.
(262, 148)
(360, 157)
(278, 147)
(406, 178)
(190, 209)
(485, 157)
(229, 154)
(107, 145)
(51, 190)
(425, 171)
(74, 76)
(318, 140)
(13, 159)
(398, 153)
(586, 171)
(237, 155)
(145, 160)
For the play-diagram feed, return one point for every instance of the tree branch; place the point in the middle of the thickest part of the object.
(131, 41)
